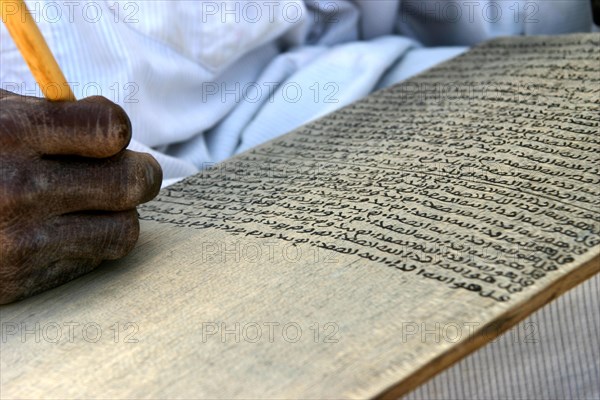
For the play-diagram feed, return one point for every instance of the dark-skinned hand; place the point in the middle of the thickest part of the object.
(68, 190)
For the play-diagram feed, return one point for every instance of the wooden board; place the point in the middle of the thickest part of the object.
(353, 258)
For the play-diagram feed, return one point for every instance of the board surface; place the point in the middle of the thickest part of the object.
(353, 258)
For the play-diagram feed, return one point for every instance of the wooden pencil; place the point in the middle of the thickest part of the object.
(35, 50)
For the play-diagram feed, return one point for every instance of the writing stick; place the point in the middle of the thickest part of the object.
(35, 50)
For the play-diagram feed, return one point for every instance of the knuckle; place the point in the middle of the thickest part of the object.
(22, 252)
(16, 115)
(23, 245)
(19, 187)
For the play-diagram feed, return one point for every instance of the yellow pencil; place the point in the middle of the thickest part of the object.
(35, 51)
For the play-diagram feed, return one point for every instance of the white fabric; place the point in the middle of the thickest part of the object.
(203, 80)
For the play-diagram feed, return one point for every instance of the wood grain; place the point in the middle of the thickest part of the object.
(310, 267)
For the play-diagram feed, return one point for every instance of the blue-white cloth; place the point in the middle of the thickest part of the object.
(204, 80)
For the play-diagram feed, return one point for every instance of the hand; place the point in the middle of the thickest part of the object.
(68, 190)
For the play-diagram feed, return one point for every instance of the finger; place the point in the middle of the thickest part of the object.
(6, 93)
(35, 280)
(65, 247)
(105, 236)
(91, 127)
(96, 235)
(113, 184)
